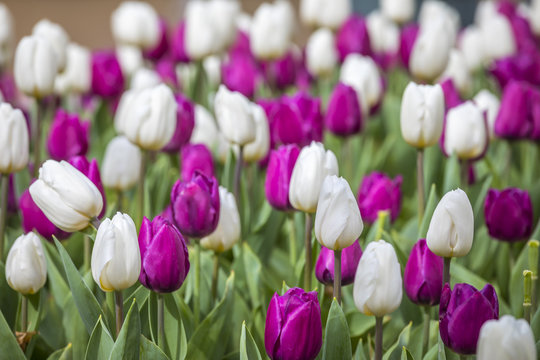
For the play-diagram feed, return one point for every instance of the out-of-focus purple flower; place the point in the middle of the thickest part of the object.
(350, 256)
(278, 176)
(310, 110)
(379, 192)
(285, 122)
(107, 77)
(344, 115)
(508, 214)
(423, 275)
(161, 46)
(240, 73)
(524, 66)
(521, 28)
(166, 70)
(8, 88)
(164, 256)
(241, 44)
(515, 120)
(293, 328)
(462, 313)
(451, 95)
(196, 157)
(178, 44)
(185, 122)
(281, 72)
(534, 108)
(353, 38)
(68, 136)
(91, 170)
(195, 205)
(407, 39)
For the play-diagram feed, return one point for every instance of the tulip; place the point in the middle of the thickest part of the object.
(278, 176)
(398, 11)
(240, 73)
(77, 75)
(162, 46)
(514, 120)
(451, 230)
(379, 192)
(293, 326)
(324, 268)
(196, 157)
(91, 170)
(107, 77)
(185, 122)
(362, 74)
(7, 33)
(235, 116)
(13, 140)
(224, 15)
(431, 51)
(321, 54)
(66, 196)
(313, 165)
(121, 164)
(227, 232)
(422, 128)
(35, 66)
(286, 122)
(68, 136)
(205, 130)
(488, 103)
(384, 39)
(534, 18)
(178, 45)
(457, 70)
(321, 13)
(407, 40)
(212, 69)
(506, 339)
(353, 37)
(282, 71)
(130, 58)
(195, 205)
(343, 115)
(116, 259)
(144, 78)
(57, 38)
(377, 284)
(508, 214)
(135, 23)
(471, 45)
(258, 149)
(451, 94)
(311, 113)
(338, 222)
(423, 275)
(271, 30)
(462, 313)
(166, 70)
(498, 39)
(26, 266)
(147, 117)
(438, 11)
(164, 256)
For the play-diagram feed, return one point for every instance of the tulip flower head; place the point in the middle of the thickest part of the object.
(107, 76)
(14, 143)
(423, 275)
(135, 23)
(278, 176)
(321, 54)
(258, 148)
(68, 136)
(321, 13)
(26, 266)
(378, 192)
(353, 37)
(121, 164)
(196, 157)
(234, 116)
(344, 115)
(399, 11)
(350, 256)
(57, 38)
(227, 232)
(508, 214)
(272, 29)
(185, 122)
(76, 77)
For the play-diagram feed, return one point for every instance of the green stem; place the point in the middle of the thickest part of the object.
(4, 179)
(215, 274)
(87, 252)
(420, 183)
(378, 337)
(337, 275)
(527, 280)
(160, 322)
(307, 242)
(36, 134)
(119, 200)
(292, 239)
(446, 270)
(464, 175)
(197, 95)
(533, 266)
(24, 313)
(119, 310)
(140, 189)
(425, 340)
(197, 283)
(238, 174)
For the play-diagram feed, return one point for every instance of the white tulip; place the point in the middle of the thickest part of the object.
(431, 51)
(321, 53)
(451, 230)
(147, 117)
(489, 104)
(224, 14)
(534, 16)
(135, 23)
(422, 114)
(338, 222)
(116, 259)
(466, 131)
(144, 78)
(227, 232)
(121, 164)
(258, 149)
(13, 140)
(497, 37)
(200, 36)
(362, 74)
(383, 33)
(130, 58)
(325, 13)
(35, 66)
(205, 130)
(26, 266)
(470, 44)
(66, 196)
(399, 11)
(243, 22)
(377, 284)
(234, 116)
(77, 76)
(438, 11)
(484, 11)
(7, 33)
(313, 165)
(212, 68)
(272, 29)
(457, 69)
(506, 339)
(57, 37)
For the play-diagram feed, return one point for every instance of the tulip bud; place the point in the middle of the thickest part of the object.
(377, 284)
(195, 205)
(313, 165)
(384, 38)
(497, 36)
(283, 71)
(471, 45)
(91, 170)
(13, 140)
(422, 114)
(227, 232)
(431, 51)
(451, 230)
(224, 14)
(234, 116)
(407, 39)
(196, 157)
(330, 14)
(121, 164)
(324, 268)
(241, 73)
(293, 326)
(107, 77)
(135, 23)
(200, 35)
(515, 119)
(162, 46)
(462, 313)
(423, 275)
(26, 266)
(272, 29)
(506, 339)
(286, 122)
(278, 176)
(452, 98)
(57, 38)
(116, 260)
(66, 196)
(508, 214)
(353, 37)
(144, 78)
(321, 54)
(185, 122)
(489, 104)
(362, 74)
(379, 192)
(466, 132)
(68, 136)
(457, 70)
(178, 43)
(130, 58)
(164, 256)
(337, 222)
(311, 114)
(439, 11)
(7, 33)
(77, 74)
(205, 130)
(258, 149)
(399, 11)
(343, 115)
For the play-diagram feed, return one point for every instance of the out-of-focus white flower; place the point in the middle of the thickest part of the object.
(437, 11)
(130, 58)
(26, 266)
(258, 149)
(234, 116)
(144, 78)
(431, 51)
(227, 232)
(471, 45)
(362, 74)
(490, 104)
(56, 36)
(321, 54)
(205, 130)
(7, 35)
(534, 16)
(121, 164)
(466, 131)
(243, 22)
(212, 68)
(484, 11)
(224, 14)
(458, 71)
(76, 76)
(325, 13)
(13, 140)
(497, 37)
(399, 11)
(135, 23)
(383, 33)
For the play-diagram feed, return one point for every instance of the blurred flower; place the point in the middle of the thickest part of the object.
(508, 214)
(212, 69)
(431, 51)
(185, 122)
(162, 46)
(362, 74)
(235, 116)
(321, 54)
(107, 77)
(471, 45)
(130, 58)
(378, 192)
(518, 117)
(423, 275)
(258, 148)
(228, 230)
(196, 157)
(353, 37)
(407, 39)
(350, 256)
(321, 13)
(68, 136)
(488, 103)
(178, 43)
(384, 39)
(458, 72)
(26, 266)
(272, 29)
(281, 72)
(343, 114)
(121, 164)
(144, 78)
(498, 39)
(278, 175)
(57, 38)
(14, 142)
(438, 11)
(399, 11)
(166, 69)
(240, 73)
(76, 76)
(205, 130)
(451, 94)
(7, 35)
(136, 23)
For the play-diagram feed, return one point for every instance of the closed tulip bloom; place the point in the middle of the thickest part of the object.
(324, 268)
(362, 74)
(26, 266)
(498, 38)
(76, 76)
(234, 116)
(466, 132)
(514, 120)
(144, 78)
(313, 165)
(107, 76)
(286, 122)
(200, 35)
(311, 113)
(378, 192)
(258, 149)
(422, 114)
(116, 258)
(293, 327)
(185, 122)
(451, 230)
(488, 103)
(506, 339)
(164, 256)
(166, 70)
(321, 54)
(130, 58)
(91, 170)
(462, 313)
(121, 164)
(162, 46)
(399, 11)
(431, 51)
(353, 37)
(196, 157)
(384, 38)
(135, 23)
(324, 13)
(13, 139)
(147, 117)
(471, 45)
(271, 30)
(57, 38)
(423, 275)
(205, 130)
(7, 35)
(508, 214)
(227, 232)
(282, 72)
(452, 98)
(66, 196)
(68, 136)
(441, 12)
(178, 43)
(240, 73)
(35, 66)
(457, 70)
(224, 15)
(377, 284)
(343, 115)
(278, 176)
(407, 39)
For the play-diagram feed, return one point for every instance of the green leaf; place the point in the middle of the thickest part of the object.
(57, 282)
(359, 354)
(360, 323)
(406, 355)
(9, 299)
(253, 268)
(248, 348)
(62, 354)
(428, 212)
(337, 339)
(150, 351)
(74, 328)
(451, 174)
(175, 334)
(8, 344)
(100, 344)
(128, 341)
(394, 352)
(140, 294)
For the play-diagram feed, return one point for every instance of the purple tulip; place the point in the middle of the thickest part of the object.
(534, 103)
(241, 44)
(278, 176)
(68, 136)
(167, 214)
(8, 88)
(293, 328)
(523, 66)
(514, 120)
(185, 122)
(107, 77)
(196, 157)
(162, 45)
(508, 214)
(408, 36)
(344, 115)
(462, 313)
(164, 256)
(166, 69)
(91, 170)
(240, 73)
(423, 275)
(523, 34)
(281, 72)
(195, 205)
(451, 95)
(286, 123)
(310, 110)
(350, 257)
(379, 192)
(178, 45)
(353, 38)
